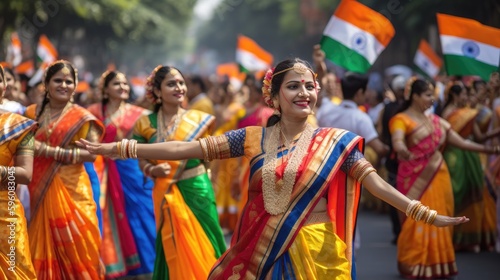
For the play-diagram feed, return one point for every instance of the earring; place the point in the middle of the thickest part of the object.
(72, 99)
(158, 101)
(105, 96)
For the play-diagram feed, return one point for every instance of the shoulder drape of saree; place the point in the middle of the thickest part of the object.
(262, 238)
(15, 256)
(415, 175)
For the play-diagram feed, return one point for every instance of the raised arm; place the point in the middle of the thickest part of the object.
(379, 188)
(172, 150)
(456, 140)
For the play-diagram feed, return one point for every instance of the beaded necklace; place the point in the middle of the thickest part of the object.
(277, 193)
(165, 133)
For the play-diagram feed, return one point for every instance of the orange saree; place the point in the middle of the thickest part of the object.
(64, 234)
(425, 251)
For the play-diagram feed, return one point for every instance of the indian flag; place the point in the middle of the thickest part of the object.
(14, 56)
(232, 72)
(45, 51)
(427, 60)
(355, 36)
(469, 48)
(251, 57)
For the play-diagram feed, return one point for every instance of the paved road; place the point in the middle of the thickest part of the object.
(376, 259)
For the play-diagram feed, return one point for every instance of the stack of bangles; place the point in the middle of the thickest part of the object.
(417, 211)
(127, 148)
(211, 148)
(61, 154)
(147, 169)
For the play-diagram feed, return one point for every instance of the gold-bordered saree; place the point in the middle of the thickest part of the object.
(261, 243)
(425, 251)
(63, 231)
(16, 263)
(189, 238)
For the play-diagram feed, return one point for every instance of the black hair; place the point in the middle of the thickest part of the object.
(476, 84)
(49, 73)
(158, 79)
(198, 80)
(351, 83)
(453, 92)
(105, 99)
(2, 73)
(11, 72)
(277, 81)
(418, 87)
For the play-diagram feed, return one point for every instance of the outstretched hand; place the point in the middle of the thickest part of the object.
(444, 221)
(105, 149)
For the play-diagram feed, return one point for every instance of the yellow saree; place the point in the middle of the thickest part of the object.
(15, 257)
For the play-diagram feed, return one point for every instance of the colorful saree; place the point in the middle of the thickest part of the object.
(189, 238)
(224, 172)
(298, 244)
(126, 201)
(467, 179)
(425, 251)
(488, 224)
(63, 231)
(257, 117)
(15, 257)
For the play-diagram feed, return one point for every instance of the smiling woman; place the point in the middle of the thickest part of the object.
(183, 197)
(303, 194)
(60, 191)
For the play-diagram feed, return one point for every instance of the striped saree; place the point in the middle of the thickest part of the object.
(284, 246)
(189, 239)
(126, 200)
(15, 257)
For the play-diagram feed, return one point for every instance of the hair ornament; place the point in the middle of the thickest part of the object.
(266, 87)
(407, 91)
(150, 85)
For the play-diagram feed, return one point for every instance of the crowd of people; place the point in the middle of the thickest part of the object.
(115, 186)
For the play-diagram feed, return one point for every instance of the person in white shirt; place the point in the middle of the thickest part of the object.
(347, 115)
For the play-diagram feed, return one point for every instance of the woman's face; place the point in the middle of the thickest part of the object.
(172, 89)
(298, 95)
(118, 88)
(425, 99)
(61, 86)
(10, 85)
(462, 98)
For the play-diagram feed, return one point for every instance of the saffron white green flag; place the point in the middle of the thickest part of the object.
(251, 57)
(469, 48)
(355, 36)
(427, 60)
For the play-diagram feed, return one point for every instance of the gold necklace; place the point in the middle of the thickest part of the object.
(50, 126)
(165, 133)
(277, 193)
